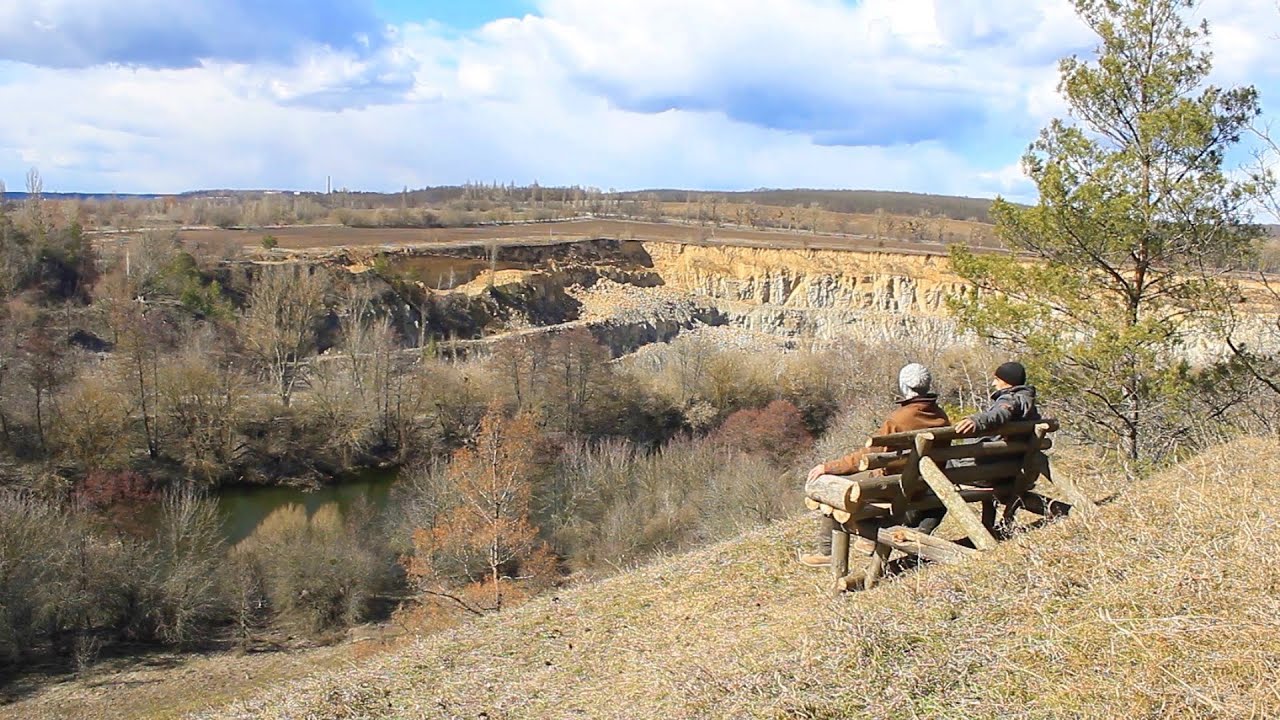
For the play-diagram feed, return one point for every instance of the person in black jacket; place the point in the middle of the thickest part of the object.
(1012, 400)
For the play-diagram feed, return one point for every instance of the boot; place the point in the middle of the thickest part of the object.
(815, 560)
(821, 558)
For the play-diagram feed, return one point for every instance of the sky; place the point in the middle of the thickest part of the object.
(939, 96)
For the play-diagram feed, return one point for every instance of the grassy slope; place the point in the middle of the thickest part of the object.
(1166, 604)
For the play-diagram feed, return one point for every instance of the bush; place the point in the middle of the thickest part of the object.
(65, 586)
(608, 505)
(319, 573)
(189, 595)
(776, 432)
(121, 497)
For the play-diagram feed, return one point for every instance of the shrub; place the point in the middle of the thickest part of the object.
(188, 596)
(121, 497)
(63, 585)
(318, 573)
(776, 431)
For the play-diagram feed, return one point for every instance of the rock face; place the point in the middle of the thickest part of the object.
(646, 291)
(631, 292)
(824, 294)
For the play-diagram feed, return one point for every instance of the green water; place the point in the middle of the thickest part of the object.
(244, 508)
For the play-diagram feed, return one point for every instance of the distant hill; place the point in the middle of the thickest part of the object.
(18, 196)
(841, 201)
(845, 201)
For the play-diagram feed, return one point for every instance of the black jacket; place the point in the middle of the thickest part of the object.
(1008, 405)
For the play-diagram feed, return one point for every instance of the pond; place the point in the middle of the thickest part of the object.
(243, 508)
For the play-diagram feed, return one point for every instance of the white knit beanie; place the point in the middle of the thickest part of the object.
(914, 380)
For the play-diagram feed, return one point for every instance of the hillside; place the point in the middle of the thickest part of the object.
(1164, 605)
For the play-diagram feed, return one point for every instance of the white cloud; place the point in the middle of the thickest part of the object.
(162, 33)
(923, 95)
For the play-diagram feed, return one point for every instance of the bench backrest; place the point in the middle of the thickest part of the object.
(975, 466)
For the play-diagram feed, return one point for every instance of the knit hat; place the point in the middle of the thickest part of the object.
(1012, 373)
(914, 380)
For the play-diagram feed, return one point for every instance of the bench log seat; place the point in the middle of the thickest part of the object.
(928, 469)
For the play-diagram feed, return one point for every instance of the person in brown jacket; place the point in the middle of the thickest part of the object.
(918, 410)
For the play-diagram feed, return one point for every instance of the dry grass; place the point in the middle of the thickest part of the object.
(1164, 604)
(320, 237)
(168, 685)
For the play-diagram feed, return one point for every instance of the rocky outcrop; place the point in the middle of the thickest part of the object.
(825, 294)
(630, 292)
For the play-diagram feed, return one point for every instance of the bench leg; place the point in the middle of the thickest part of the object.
(876, 565)
(839, 553)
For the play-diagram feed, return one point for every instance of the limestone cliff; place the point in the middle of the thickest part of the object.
(826, 294)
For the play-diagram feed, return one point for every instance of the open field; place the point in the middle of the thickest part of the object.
(168, 685)
(329, 237)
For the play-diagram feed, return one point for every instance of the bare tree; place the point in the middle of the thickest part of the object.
(34, 206)
(279, 323)
(200, 395)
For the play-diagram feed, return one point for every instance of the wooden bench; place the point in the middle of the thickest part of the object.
(919, 473)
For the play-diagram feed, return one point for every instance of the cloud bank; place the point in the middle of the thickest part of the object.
(919, 95)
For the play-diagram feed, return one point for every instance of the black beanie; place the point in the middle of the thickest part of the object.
(1012, 373)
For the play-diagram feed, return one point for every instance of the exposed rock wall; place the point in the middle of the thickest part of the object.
(632, 292)
(826, 294)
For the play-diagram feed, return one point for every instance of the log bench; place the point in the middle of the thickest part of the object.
(928, 469)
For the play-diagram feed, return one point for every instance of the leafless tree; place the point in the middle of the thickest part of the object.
(279, 323)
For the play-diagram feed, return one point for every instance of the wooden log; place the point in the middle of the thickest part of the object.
(879, 461)
(993, 474)
(853, 581)
(1031, 464)
(990, 449)
(876, 566)
(994, 448)
(850, 493)
(905, 540)
(929, 547)
(910, 483)
(840, 516)
(869, 530)
(1079, 501)
(906, 439)
(989, 514)
(955, 504)
(924, 502)
(879, 487)
(839, 554)
(862, 546)
(834, 490)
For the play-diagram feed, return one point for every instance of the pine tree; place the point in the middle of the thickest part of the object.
(1120, 258)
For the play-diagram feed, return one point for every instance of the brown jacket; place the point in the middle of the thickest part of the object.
(917, 413)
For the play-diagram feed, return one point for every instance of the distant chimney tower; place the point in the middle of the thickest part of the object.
(328, 185)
